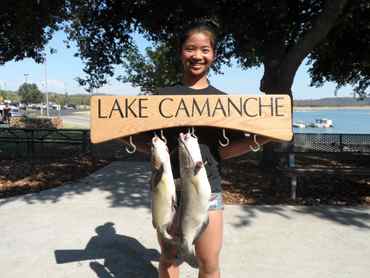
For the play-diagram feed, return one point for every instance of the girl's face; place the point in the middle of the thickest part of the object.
(197, 55)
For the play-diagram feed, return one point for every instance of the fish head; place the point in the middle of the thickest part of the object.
(189, 151)
(160, 155)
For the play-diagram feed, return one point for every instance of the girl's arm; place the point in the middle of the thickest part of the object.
(241, 146)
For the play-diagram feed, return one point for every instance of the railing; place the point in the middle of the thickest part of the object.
(27, 142)
(24, 142)
(324, 154)
(328, 143)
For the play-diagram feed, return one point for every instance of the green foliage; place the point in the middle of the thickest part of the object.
(158, 68)
(26, 27)
(9, 95)
(79, 99)
(29, 93)
(277, 35)
(349, 40)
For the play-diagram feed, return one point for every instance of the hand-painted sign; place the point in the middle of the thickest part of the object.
(120, 116)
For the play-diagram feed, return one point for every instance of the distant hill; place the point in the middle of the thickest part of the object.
(332, 101)
(59, 98)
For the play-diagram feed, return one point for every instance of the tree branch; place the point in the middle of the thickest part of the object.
(320, 29)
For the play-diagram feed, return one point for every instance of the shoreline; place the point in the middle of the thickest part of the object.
(313, 108)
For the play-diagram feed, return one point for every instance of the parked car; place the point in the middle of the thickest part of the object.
(69, 107)
(16, 112)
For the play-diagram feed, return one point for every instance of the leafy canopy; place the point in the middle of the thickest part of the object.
(26, 26)
(29, 93)
(278, 35)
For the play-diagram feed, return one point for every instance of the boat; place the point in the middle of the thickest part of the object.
(299, 124)
(322, 123)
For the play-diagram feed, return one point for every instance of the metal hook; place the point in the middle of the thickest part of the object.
(133, 146)
(162, 137)
(257, 144)
(193, 132)
(226, 138)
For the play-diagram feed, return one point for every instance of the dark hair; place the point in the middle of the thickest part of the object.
(205, 27)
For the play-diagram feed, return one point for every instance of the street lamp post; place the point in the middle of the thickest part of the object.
(25, 77)
(46, 89)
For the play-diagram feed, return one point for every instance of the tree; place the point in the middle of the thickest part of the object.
(29, 93)
(278, 35)
(349, 41)
(158, 68)
(8, 95)
(26, 27)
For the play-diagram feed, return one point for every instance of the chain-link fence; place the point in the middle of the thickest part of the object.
(28, 143)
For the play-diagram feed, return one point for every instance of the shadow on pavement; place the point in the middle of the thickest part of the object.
(123, 256)
(252, 211)
(127, 183)
(358, 217)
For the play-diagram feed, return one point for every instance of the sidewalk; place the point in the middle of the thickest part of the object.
(72, 231)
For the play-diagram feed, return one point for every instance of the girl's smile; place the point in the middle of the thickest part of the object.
(197, 56)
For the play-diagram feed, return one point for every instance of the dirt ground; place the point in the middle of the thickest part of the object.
(244, 182)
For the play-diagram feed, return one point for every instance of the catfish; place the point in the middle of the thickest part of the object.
(163, 189)
(195, 196)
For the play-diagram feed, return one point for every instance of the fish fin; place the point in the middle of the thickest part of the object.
(202, 228)
(156, 176)
(197, 167)
(174, 205)
(166, 236)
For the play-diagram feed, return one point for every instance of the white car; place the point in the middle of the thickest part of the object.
(15, 112)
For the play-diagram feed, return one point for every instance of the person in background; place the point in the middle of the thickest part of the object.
(7, 114)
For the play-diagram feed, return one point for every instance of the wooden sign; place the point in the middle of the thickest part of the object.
(120, 116)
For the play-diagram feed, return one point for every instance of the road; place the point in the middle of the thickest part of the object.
(80, 119)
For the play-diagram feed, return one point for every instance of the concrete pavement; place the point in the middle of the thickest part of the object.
(101, 227)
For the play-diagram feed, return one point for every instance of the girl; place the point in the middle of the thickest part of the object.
(197, 53)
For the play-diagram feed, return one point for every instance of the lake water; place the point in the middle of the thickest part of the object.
(344, 120)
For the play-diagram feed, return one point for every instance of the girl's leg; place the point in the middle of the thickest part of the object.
(209, 244)
(167, 267)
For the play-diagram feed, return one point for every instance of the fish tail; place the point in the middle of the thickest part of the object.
(167, 237)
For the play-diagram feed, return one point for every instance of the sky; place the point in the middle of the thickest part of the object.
(62, 69)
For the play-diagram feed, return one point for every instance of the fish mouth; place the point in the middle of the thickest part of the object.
(184, 152)
(156, 143)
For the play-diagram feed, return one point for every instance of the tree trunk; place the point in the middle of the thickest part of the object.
(276, 79)
(281, 65)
